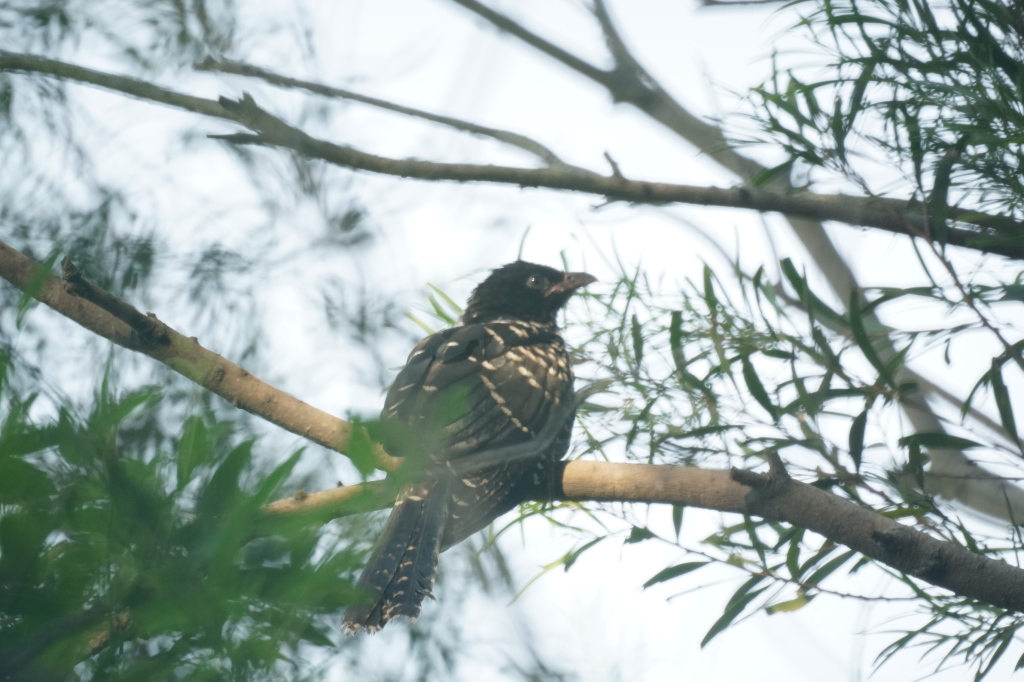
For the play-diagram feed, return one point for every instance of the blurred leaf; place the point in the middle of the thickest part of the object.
(1002, 396)
(864, 343)
(677, 519)
(674, 572)
(756, 388)
(829, 568)
(637, 534)
(194, 447)
(788, 606)
(857, 427)
(638, 339)
(938, 440)
(739, 601)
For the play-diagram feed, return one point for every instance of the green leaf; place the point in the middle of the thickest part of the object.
(756, 388)
(34, 287)
(674, 572)
(677, 518)
(570, 558)
(829, 568)
(22, 483)
(916, 462)
(938, 440)
(272, 483)
(637, 534)
(815, 307)
(857, 428)
(793, 554)
(788, 606)
(737, 603)
(456, 308)
(755, 541)
(1002, 396)
(221, 491)
(864, 343)
(360, 444)
(675, 340)
(709, 290)
(638, 339)
(194, 447)
(317, 635)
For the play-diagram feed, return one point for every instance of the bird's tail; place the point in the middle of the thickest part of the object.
(402, 567)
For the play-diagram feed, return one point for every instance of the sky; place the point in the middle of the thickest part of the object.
(596, 618)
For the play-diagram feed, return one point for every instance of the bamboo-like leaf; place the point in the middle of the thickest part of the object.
(755, 541)
(677, 519)
(938, 440)
(756, 388)
(737, 603)
(789, 606)
(915, 461)
(638, 339)
(675, 340)
(864, 342)
(857, 428)
(1002, 396)
(637, 534)
(793, 554)
(674, 572)
(829, 568)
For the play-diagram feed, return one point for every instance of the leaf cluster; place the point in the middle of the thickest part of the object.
(724, 369)
(129, 556)
(931, 88)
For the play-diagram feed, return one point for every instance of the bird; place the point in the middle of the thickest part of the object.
(480, 414)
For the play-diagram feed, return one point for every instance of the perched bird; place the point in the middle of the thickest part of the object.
(481, 412)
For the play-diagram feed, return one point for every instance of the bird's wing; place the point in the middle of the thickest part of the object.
(473, 388)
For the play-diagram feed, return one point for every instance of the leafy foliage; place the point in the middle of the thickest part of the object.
(122, 560)
(932, 88)
(731, 367)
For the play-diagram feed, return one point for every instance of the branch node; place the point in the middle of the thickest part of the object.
(616, 172)
(768, 484)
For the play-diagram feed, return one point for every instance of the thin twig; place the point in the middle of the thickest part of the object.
(508, 137)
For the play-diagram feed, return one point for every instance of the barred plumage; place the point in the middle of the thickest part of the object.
(501, 378)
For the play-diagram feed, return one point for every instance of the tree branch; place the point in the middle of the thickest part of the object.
(184, 355)
(893, 215)
(776, 497)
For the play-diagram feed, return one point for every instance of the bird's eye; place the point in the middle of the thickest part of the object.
(537, 282)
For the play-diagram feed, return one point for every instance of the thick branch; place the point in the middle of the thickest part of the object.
(183, 355)
(893, 215)
(905, 549)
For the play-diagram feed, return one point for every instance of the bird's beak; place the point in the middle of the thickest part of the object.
(571, 282)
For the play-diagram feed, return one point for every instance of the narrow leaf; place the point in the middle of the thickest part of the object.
(788, 606)
(638, 339)
(677, 518)
(857, 438)
(1002, 396)
(674, 572)
(756, 388)
(731, 613)
(864, 343)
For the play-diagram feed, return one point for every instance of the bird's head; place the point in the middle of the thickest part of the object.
(523, 291)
